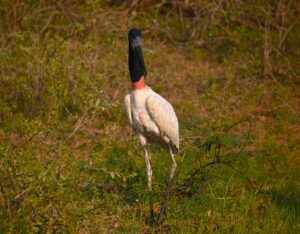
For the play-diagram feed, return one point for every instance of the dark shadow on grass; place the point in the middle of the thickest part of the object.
(289, 201)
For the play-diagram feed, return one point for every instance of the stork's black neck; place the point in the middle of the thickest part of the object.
(136, 63)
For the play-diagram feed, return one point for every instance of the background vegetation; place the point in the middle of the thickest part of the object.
(69, 162)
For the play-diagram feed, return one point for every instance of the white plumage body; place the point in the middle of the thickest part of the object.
(153, 118)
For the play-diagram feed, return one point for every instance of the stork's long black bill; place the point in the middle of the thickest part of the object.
(137, 67)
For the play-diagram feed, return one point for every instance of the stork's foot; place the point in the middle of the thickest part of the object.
(162, 212)
(162, 215)
(152, 216)
(151, 220)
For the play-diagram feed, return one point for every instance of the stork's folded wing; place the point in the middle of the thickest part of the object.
(127, 106)
(165, 118)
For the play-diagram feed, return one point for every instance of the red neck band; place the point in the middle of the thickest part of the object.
(140, 84)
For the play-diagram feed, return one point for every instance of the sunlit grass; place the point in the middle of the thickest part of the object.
(69, 162)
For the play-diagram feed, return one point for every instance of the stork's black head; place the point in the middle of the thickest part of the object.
(136, 63)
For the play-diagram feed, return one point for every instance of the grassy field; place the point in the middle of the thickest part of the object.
(69, 162)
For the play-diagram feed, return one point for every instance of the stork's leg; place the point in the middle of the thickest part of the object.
(149, 177)
(168, 184)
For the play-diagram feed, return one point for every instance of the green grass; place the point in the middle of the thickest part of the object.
(69, 162)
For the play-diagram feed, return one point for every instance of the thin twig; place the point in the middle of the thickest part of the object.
(287, 32)
(48, 22)
(30, 138)
(22, 193)
(78, 124)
